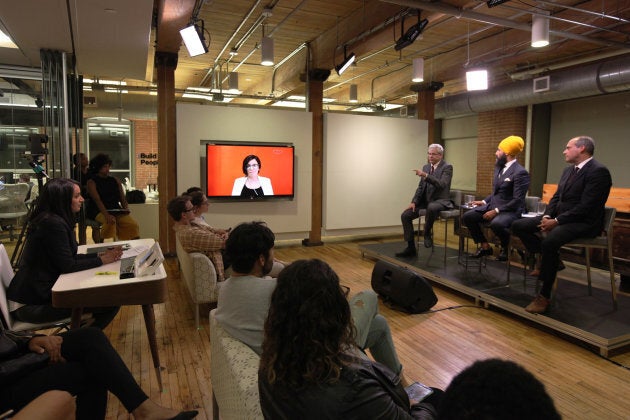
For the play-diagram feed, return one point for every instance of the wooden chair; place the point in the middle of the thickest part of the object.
(603, 241)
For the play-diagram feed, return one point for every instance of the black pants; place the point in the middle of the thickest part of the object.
(408, 216)
(500, 225)
(39, 314)
(549, 245)
(92, 368)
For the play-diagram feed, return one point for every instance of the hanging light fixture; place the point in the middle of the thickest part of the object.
(347, 61)
(267, 51)
(477, 79)
(233, 81)
(354, 94)
(540, 30)
(418, 70)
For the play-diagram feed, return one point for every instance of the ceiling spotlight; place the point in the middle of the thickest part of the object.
(267, 51)
(347, 61)
(540, 31)
(233, 51)
(194, 40)
(412, 33)
(418, 70)
(492, 3)
(354, 94)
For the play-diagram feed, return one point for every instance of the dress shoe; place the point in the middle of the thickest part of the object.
(538, 305)
(481, 252)
(503, 256)
(185, 415)
(428, 241)
(407, 252)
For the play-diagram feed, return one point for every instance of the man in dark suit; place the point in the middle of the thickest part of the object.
(505, 204)
(432, 194)
(576, 210)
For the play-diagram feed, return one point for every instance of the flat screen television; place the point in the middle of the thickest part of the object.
(249, 171)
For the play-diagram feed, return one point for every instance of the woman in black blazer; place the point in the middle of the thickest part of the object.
(51, 250)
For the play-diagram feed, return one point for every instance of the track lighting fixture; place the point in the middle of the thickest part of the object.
(412, 33)
(347, 61)
(492, 3)
(194, 39)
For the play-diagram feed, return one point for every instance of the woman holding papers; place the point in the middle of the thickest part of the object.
(51, 250)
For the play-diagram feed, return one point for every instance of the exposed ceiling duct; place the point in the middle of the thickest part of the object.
(593, 79)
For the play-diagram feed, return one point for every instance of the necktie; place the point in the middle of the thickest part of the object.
(572, 175)
(431, 171)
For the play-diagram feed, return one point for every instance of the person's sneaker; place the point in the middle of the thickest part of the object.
(538, 305)
(428, 242)
(407, 252)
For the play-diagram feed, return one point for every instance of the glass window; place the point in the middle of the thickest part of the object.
(112, 137)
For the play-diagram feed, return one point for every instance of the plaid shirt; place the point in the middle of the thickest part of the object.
(204, 239)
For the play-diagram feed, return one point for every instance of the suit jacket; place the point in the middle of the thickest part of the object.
(509, 190)
(437, 186)
(239, 183)
(50, 250)
(583, 200)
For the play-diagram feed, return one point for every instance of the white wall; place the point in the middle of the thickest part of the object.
(367, 166)
(368, 162)
(196, 123)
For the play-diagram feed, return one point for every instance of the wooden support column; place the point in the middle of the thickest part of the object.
(315, 86)
(165, 64)
(426, 111)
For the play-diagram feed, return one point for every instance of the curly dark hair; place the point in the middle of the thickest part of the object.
(177, 206)
(309, 328)
(196, 197)
(496, 389)
(246, 161)
(56, 198)
(246, 243)
(98, 161)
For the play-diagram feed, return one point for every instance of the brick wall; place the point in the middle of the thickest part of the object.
(492, 127)
(146, 154)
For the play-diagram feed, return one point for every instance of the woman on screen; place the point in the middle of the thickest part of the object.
(252, 185)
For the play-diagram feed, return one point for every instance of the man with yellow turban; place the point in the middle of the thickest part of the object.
(505, 204)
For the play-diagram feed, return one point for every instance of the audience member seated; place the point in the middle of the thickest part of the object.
(244, 298)
(200, 206)
(80, 171)
(197, 238)
(505, 204)
(496, 389)
(82, 362)
(51, 405)
(108, 204)
(311, 366)
(51, 250)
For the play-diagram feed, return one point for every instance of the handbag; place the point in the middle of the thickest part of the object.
(14, 365)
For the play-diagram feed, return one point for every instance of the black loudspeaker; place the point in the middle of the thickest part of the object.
(402, 287)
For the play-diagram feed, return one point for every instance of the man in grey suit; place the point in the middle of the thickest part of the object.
(432, 194)
(505, 204)
(576, 210)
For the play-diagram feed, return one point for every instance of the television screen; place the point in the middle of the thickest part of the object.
(249, 171)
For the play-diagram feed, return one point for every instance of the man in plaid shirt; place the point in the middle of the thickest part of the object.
(197, 238)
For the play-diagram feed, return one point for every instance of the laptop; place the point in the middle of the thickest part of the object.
(144, 264)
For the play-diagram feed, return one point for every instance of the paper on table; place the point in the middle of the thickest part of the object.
(136, 250)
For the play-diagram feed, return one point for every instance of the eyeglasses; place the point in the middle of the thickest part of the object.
(433, 154)
(189, 210)
(255, 165)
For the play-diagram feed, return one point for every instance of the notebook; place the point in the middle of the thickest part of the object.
(144, 264)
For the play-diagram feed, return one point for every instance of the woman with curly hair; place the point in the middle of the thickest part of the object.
(310, 365)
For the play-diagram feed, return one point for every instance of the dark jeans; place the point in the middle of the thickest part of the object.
(548, 245)
(92, 368)
(38, 314)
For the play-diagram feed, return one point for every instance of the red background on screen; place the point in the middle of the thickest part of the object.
(224, 163)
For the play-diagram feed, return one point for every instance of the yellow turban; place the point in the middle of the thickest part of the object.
(512, 145)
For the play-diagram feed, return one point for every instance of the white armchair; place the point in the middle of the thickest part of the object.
(234, 376)
(200, 276)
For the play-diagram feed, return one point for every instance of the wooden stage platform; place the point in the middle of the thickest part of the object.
(573, 312)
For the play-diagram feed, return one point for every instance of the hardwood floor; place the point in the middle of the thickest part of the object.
(433, 347)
